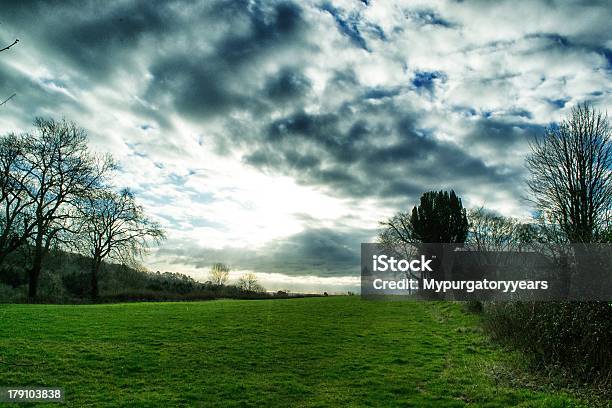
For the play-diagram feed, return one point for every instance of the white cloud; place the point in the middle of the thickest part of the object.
(495, 62)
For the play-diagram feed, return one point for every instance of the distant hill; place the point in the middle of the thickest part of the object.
(65, 279)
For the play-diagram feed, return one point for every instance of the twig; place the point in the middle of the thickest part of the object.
(7, 47)
(8, 99)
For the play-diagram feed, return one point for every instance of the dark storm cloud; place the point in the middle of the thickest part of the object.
(268, 28)
(205, 62)
(96, 42)
(392, 159)
(201, 83)
(98, 38)
(502, 135)
(360, 100)
(323, 251)
(198, 73)
(286, 84)
(195, 87)
(95, 36)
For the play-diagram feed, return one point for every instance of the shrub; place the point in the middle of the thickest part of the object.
(51, 286)
(9, 294)
(171, 282)
(77, 284)
(576, 336)
(473, 306)
(13, 276)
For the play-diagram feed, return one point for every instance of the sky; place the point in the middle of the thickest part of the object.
(275, 135)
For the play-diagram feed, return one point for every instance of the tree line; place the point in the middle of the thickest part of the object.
(55, 193)
(569, 185)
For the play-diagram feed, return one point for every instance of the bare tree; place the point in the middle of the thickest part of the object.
(115, 227)
(219, 273)
(396, 233)
(15, 221)
(571, 179)
(489, 231)
(248, 282)
(55, 171)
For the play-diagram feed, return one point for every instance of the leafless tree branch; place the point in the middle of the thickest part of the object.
(8, 99)
(9, 46)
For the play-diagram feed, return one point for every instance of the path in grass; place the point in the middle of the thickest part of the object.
(337, 351)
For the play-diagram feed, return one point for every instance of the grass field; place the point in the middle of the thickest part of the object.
(337, 351)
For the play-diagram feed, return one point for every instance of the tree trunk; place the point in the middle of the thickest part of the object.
(34, 272)
(3, 255)
(95, 268)
(33, 276)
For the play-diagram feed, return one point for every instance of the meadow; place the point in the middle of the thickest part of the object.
(314, 352)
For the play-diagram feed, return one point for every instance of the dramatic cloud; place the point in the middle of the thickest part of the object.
(317, 251)
(274, 135)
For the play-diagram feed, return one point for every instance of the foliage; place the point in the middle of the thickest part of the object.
(571, 185)
(248, 283)
(12, 275)
(440, 217)
(65, 278)
(573, 336)
(76, 284)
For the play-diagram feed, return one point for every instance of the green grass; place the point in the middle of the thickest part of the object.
(336, 351)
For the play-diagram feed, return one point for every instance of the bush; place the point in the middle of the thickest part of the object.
(13, 276)
(51, 286)
(66, 279)
(473, 306)
(575, 336)
(172, 282)
(77, 284)
(9, 294)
